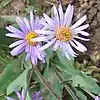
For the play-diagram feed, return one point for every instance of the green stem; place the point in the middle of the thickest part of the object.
(45, 83)
(66, 86)
(92, 95)
(30, 76)
(28, 81)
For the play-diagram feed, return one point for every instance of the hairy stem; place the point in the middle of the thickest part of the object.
(66, 86)
(46, 84)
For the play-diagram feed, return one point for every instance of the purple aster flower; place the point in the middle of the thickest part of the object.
(37, 96)
(97, 98)
(62, 34)
(21, 96)
(24, 34)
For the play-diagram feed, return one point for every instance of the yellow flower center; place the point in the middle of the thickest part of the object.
(30, 36)
(63, 34)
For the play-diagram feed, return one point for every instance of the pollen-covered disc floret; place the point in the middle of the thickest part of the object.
(24, 34)
(30, 36)
(63, 34)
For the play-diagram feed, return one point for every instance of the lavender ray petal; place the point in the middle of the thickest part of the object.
(48, 45)
(56, 45)
(81, 38)
(36, 23)
(18, 93)
(44, 32)
(32, 20)
(97, 98)
(47, 26)
(27, 49)
(70, 16)
(33, 56)
(68, 49)
(56, 16)
(14, 30)
(37, 53)
(81, 28)
(27, 24)
(23, 94)
(79, 22)
(49, 20)
(79, 46)
(17, 50)
(83, 33)
(67, 14)
(22, 25)
(61, 15)
(16, 43)
(14, 35)
(27, 57)
(39, 39)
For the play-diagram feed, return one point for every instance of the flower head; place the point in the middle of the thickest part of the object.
(24, 36)
(62, 34)
(21, 96)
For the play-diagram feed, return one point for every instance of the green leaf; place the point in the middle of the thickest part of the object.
(54, 82)
(10, 73)
(64, 60)
(65, 65)
(19, 82)
(57, 88)
(28, 96)
(80, 95)
(66, 72)
(4, 60)
(4, 40)
(49, 54)
(79, 78)
(86, 82)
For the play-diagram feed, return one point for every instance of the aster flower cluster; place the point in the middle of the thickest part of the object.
(21, 96)
(37, 34)
(56, 32)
